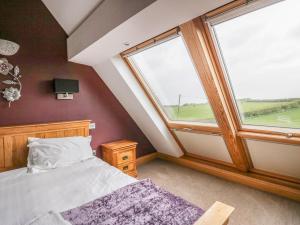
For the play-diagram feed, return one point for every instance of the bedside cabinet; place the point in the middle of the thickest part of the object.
(122, 155)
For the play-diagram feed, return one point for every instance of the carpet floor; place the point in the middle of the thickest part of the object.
(252, 207)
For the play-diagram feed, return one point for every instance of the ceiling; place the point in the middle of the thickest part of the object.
(71, 13)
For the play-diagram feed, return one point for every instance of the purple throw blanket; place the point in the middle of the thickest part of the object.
(135, 204)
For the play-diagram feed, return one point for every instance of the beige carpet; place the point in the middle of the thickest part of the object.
(253, 207)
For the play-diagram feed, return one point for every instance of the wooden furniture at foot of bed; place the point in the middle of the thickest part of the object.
(217, 214)
(122, 155)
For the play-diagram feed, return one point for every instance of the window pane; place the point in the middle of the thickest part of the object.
(170, 74)
(261, 53)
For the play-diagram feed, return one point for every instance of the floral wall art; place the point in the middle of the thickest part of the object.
(11, 73)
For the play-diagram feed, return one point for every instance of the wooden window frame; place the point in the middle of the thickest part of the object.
(237, 149)
(206, 128)
(171, 125)
(197, 43)
(203, 51)
(262, 133)
(204, 54)
(202, 128)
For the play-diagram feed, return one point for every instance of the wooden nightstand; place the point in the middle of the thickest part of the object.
(122, 155)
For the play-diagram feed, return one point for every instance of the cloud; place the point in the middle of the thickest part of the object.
(265, 58)
(169, 71)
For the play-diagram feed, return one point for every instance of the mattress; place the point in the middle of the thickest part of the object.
(25, 196)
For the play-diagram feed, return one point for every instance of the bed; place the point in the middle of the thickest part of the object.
(55, 195)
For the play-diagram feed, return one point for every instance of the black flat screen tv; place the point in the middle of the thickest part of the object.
(65, 86)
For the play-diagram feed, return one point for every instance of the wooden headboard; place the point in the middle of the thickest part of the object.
(13, 139)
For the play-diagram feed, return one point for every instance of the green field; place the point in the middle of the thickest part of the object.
(249, 106)
(281, 113)
(290, 118)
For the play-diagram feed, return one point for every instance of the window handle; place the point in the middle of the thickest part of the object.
(187, 129)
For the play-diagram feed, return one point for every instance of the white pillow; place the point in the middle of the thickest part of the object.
(50, 153)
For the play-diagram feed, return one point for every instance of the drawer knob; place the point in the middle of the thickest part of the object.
(125, 157)
(125, 167)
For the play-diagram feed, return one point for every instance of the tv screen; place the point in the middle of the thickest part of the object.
(66, 86)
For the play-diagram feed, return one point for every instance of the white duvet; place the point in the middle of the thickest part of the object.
(24, 196)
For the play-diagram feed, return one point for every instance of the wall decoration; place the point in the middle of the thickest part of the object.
(11, 72)
(8, 47)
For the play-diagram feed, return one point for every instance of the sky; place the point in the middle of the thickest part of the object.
(167, 68)
(261, 51)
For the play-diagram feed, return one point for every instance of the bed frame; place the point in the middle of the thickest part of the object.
(13, 139)
(14, 151)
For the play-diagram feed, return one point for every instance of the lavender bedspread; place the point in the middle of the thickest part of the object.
(138, 203)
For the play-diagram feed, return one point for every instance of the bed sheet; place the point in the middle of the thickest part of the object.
(24, 196)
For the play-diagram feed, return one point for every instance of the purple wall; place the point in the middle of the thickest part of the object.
(42, 57)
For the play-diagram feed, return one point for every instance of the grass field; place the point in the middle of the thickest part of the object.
(253, 106)
(285, 113)
(290, 118)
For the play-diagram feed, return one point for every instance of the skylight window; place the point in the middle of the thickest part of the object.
(261, 55)
(169, 74)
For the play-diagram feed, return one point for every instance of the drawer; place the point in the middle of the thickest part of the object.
(127, 167)
(132, 173)
(125, 156)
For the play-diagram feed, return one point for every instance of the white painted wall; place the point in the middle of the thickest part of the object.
(124, 86)
(109, 15)
(70, 13)
(277, 158)
(211, 146)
